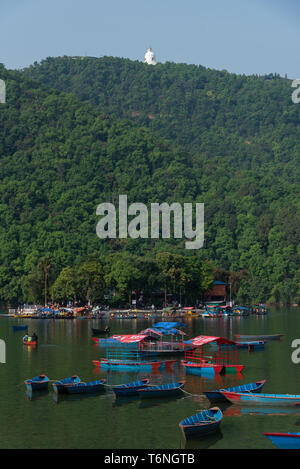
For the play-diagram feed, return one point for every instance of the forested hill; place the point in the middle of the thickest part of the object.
(197, 135)
(208, 111)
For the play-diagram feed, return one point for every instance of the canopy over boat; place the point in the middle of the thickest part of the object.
(201, 340)
(129, 339)
(168, 325)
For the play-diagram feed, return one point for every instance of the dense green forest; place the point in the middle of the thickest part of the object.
(78, 132)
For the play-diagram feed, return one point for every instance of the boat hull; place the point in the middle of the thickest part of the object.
(161, 391)
(130, 390)
(199, 426)
(205, 369)
(217, 396)
(262, 399)
(259, 337)
(285, 440)
(85, 388)
(59, 387)
(20, 328)
(114, 365)
(37, 385)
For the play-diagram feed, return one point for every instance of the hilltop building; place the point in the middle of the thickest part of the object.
(150, 57)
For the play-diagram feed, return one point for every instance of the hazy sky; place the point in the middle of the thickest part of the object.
(242, 36)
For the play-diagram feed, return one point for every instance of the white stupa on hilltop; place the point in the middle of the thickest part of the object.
(150, 57)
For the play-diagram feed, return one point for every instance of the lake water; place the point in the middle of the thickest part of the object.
(66, 348)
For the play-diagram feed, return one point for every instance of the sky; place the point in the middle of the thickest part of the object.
(240, 36)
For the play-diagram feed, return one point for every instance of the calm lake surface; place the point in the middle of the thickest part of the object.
(66, 348)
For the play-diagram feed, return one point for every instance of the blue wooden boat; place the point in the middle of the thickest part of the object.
(129, 365)
(85, 388)
(285, 440)
(165, 390)
(262, 399)
(251, 344)
(217, 396)
(130, 389)
(202, 424)
(38, 383)
(22, 327)
(259, 337)
(60, 386)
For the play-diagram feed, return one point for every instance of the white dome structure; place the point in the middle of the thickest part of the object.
(150, 57)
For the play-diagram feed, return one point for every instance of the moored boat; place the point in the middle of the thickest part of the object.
(262, 399)
(129, 389)
(217, 396)
(128, 365)
(221, 362)
(85, 388)
(202, 424)
(285, 440)
(101, 331)
(22, 327)
(251, 344)
(29, 340)
(38, 383)
(164, 390)
(60, 385)
(202, 368)
(259, 337)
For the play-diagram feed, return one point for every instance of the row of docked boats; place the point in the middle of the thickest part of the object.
(74, 385)
(218, 311)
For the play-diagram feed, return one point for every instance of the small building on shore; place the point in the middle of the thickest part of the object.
(217, 294)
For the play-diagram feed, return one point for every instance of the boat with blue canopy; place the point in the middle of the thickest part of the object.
(164, 390)
(129, 389)
(202, 424)
(38, 383)
(217, 396)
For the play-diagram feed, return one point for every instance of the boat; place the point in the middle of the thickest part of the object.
(100, 331)
(204, 423)
(262, 399)
(251, 344)
(22, 327)
(129, 389)
(128, 365)
(285, 440)
(164, 390)
(85, 388)
(60, 385)
(202, 368)
(221, 361)
(217, 396)
(28, 340)
(259, 337)
(38, 383)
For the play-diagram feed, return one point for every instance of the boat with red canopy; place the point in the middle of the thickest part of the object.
(220, 361)
(124, 354)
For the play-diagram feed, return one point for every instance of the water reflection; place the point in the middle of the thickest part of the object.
(35, 395)
(202, 442)
(147, 403)
(59, 398)
(238, 411)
